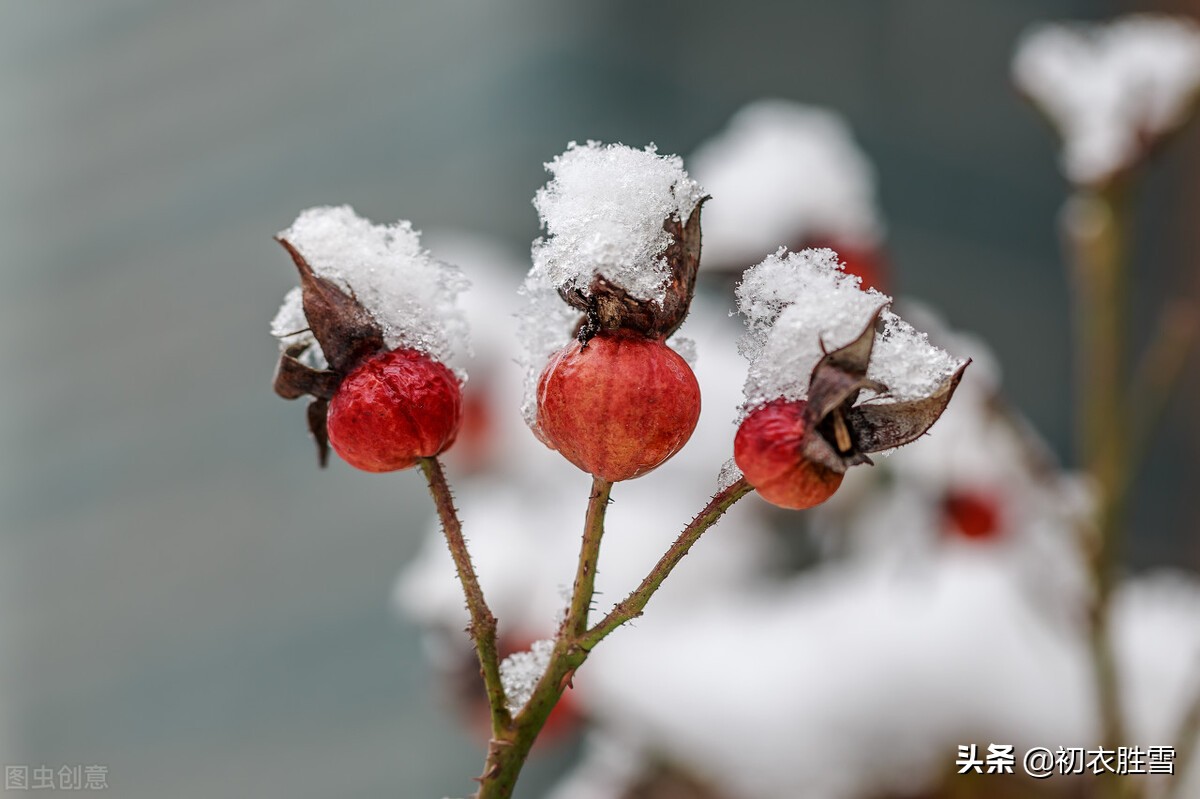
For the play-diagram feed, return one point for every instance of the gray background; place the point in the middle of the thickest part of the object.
(183, 595)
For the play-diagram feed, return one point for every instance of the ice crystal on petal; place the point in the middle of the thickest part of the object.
(520, 672)
(798, 306)
(603, 214)
(411, 296)
(1110, 88)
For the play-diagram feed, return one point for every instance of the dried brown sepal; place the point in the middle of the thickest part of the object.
(318, 413)
(346, 333)
(839, 433)
(607, 306)
(294, 379)
(344, 329)
(879, 427)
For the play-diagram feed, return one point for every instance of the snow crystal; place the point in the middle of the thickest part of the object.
(411, 296)
(782, 172)
(545, 326)
(520, 672)
(603, 213)
(730, 474)
(685, 348)
(290, 326)
(1109, 87)
(799, 305)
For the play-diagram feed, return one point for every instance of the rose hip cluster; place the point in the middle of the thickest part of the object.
(834, 375)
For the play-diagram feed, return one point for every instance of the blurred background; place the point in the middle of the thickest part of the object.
(184, 596)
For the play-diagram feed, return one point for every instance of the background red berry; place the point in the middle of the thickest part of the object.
(618, 406)
(768, 447)
(973, 515)
(394, 408)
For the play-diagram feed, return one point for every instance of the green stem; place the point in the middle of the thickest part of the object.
(483, 623)
(507, 755)
(634, 604)
(575, 622)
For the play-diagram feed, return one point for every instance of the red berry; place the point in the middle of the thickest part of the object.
(618, 406)
(768, 447)
(392, 409)
(971, 514)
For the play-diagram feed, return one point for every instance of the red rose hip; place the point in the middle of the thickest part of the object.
(618, 406)
(768, 448)
(392, 409)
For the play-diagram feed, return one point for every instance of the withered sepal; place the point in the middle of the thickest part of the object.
(840, 434)
(607, 306)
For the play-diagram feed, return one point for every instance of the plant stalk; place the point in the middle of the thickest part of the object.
(634, 605)
(483, 623)
(1095, 224)
(508, 752)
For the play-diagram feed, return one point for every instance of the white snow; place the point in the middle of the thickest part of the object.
(780, 173)
(544, 326)
(412, 296)
(685, 348)
(1109, 87)
(603, 213)
(520, 672)
(799, 305)
(291, 327)
(729, 474)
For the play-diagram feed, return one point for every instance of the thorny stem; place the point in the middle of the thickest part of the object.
(1095, 222)
(483, 623)
(575, 622)
(508, 750)
(634, 604)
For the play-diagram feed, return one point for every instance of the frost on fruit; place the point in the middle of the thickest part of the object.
(871, 381)
(364, 289)
(1111, 89)
(520, 672)
(783, 172)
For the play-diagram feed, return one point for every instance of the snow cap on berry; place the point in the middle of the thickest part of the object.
(800, 305)
(813, 334)
(1111, 89)
(783, 172)
(603, 213)
(411, 298)
(621, 251)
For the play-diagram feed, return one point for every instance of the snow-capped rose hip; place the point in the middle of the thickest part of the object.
(366, 335)
(618, 406)
(768, 449)
(812, 412)
(393, 409)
